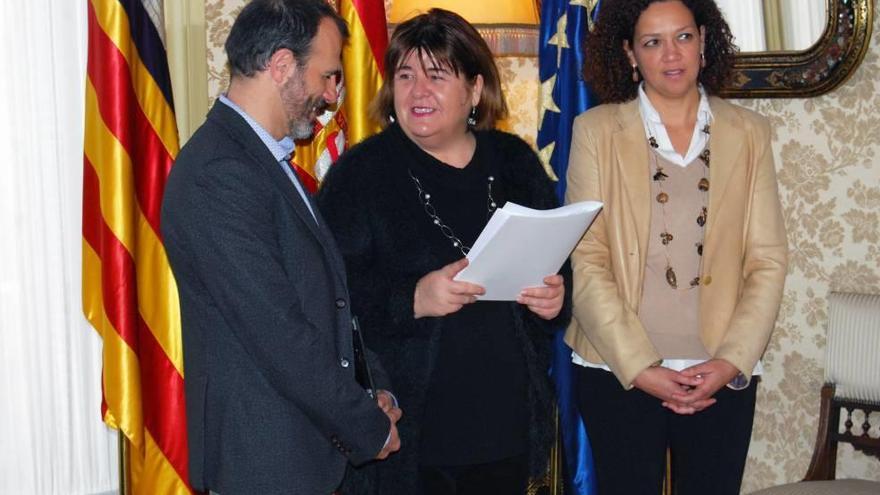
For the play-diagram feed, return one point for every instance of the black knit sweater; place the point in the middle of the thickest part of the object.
(371, 204)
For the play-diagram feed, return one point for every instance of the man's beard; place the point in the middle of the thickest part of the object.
(300, 109)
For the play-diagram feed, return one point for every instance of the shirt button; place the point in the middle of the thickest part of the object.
(343, 362)
(707, 280)
(340, 303)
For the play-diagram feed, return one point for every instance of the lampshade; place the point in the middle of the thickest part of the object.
(476, 12)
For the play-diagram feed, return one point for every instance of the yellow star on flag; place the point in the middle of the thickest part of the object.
(547, 102)
(560, 38)
(545, 154)
(590, 5)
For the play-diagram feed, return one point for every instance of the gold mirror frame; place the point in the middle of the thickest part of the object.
(811, 72)
(782, 74)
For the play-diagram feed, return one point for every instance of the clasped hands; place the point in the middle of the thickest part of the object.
(386, 403)
(438, 294)
(690, 390)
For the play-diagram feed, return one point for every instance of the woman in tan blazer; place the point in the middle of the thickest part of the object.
(678, 283)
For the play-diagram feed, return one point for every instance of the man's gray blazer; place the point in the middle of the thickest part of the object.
(271, 400)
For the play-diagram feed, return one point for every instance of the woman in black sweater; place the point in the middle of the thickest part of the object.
(404, 206)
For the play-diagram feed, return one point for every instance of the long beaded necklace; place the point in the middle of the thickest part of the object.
(425, 199)
(667, 237)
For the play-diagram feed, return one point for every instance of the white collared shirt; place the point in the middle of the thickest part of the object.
(654, 127)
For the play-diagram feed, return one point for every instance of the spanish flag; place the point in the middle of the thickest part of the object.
(129, 294)
(348, 123)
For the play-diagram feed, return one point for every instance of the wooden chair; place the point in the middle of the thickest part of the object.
(852, 377)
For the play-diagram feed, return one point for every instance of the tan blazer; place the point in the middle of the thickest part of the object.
(744, 250)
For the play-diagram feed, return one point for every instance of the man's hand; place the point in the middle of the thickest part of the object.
(392, 445)
(387, 404)
(666, 384)
(545, 302)
(386, 401)
(437, 294)
(713, 375)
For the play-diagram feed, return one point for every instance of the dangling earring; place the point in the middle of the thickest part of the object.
(472, 119)
(391, 118)
(702, 59)
(635, 73)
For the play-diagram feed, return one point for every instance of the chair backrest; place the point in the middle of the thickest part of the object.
(853, 347)
(852, 381)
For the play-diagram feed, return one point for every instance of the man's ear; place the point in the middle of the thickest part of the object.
(281, 66)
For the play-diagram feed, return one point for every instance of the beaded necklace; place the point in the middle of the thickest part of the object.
(667, 237)
(446, 230)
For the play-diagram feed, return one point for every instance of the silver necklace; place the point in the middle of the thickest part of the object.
(446, 230)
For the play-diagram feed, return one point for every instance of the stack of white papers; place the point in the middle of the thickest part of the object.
(520, 246)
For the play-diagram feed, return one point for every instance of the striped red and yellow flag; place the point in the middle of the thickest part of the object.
(129, 293)
(362, 64)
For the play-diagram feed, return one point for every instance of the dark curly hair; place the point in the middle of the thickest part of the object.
(607, 68)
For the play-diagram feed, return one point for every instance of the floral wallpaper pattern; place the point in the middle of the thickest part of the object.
(827, 152)
(519, 81)
(219, 15)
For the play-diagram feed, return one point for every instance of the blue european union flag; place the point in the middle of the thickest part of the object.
(564, 95)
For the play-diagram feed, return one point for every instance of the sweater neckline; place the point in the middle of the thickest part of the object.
(435, 171)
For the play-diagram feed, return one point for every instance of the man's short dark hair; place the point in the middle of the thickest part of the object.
(266, 26)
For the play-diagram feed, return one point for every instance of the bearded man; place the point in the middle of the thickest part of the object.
(271, 398)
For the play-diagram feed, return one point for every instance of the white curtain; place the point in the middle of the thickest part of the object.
(803, 22)
(52, 440)
(746, 20)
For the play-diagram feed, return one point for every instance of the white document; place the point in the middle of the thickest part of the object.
(520, 246)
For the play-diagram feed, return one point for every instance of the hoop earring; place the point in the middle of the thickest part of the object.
(635, 73)
(472, 119)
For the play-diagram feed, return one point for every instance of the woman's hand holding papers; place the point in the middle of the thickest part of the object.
(437, 294)
(545, 302)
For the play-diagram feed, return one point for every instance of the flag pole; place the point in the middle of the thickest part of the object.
(124, 469)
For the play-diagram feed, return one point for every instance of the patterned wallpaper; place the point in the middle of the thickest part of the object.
(519, 81)
(827, 152)
(219, 15)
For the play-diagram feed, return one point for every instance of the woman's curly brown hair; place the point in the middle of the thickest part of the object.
(607, 68)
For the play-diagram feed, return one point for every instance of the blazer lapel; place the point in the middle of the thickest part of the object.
(631, 150)
(240, 131)
(725, 146)
(316, 223)
(332, 249)
(288, 190)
